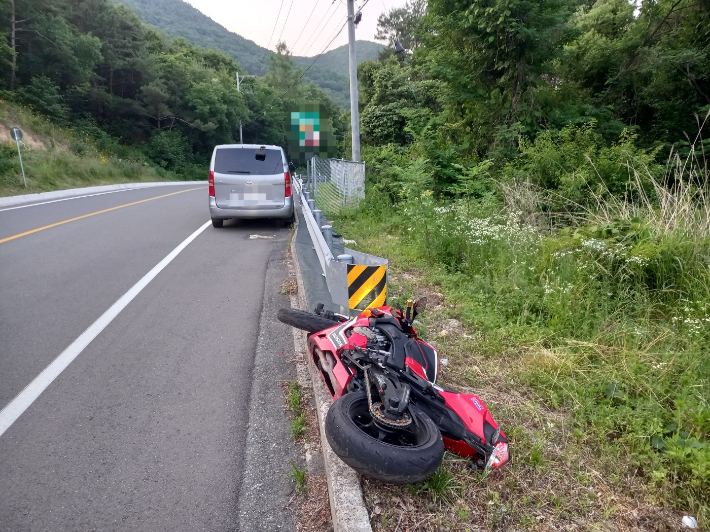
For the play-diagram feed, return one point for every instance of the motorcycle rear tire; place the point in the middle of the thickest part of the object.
(397, 464)
(306, 321)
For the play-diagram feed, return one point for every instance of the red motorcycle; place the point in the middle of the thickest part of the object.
(390, 421)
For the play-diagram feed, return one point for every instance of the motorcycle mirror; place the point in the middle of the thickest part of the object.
(421, 304)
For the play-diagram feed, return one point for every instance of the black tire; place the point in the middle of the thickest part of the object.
(304, 320)
(217, 222)
(401, 457)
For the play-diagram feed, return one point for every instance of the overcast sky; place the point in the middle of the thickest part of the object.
(255, 20)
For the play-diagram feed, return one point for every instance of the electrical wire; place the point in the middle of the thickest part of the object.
(317, 57)
(275, 24)
(319, 25)
(285, 22)
(306, 24)
(305, 53)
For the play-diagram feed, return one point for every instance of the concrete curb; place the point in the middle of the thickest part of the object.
(347, 506)
(9, 201)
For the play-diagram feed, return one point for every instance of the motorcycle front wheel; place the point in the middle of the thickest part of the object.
(399, 456)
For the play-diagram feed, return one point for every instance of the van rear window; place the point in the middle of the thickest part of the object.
(244, 161)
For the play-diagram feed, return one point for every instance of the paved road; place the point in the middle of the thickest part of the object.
(146, 428)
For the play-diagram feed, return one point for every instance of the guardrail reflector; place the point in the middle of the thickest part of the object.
(367, 286)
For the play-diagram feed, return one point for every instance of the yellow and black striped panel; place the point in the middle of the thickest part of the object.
(367, 286)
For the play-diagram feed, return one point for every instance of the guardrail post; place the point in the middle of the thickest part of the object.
(318, 215)
(328, 235)
(312, 204)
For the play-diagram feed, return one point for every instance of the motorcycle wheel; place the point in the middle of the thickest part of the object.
(400, 456)
(304, 320)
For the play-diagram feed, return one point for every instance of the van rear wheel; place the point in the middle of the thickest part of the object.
(217, 222)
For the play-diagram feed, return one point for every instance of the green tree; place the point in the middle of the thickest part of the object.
(402, 24)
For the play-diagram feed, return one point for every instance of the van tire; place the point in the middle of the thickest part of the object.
(217, 222)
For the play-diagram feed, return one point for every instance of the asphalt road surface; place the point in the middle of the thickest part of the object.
(143, 421)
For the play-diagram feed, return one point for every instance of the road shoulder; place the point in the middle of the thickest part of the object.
(266, 487)
(347, 505)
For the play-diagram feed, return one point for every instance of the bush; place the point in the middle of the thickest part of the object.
(169, 149)
(577, 166)
(43, 95)
(9, 160)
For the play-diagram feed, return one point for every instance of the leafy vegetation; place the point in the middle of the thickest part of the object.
(137, 95)
(544, 165)
(300, 478)
(180, 19)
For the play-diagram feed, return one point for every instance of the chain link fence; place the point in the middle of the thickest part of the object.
(335, 184)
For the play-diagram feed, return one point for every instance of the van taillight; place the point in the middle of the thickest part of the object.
(211, 184)
(287, 177)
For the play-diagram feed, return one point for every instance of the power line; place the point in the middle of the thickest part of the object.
(320, 25)
(285, 21)
(306, 24)
(275, 23)
(319, 34)
(318, 56)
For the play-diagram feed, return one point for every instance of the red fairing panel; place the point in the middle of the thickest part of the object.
(472, 411)
(416, 367)
(459, 447)
(337, 378)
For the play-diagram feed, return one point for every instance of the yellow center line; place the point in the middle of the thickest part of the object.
(2, 241)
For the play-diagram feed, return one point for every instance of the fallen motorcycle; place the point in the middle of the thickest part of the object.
(390, 421)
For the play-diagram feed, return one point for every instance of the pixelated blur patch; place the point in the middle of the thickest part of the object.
(310, 132)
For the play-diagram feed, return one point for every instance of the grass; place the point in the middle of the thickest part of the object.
(588, 341)
(441, 486)
(299, 477)
(294, 401)
(57, 158)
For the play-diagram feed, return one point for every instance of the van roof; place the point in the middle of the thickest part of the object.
(253, 146)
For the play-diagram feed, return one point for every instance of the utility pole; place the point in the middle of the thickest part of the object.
(354, 113)
(239, 81)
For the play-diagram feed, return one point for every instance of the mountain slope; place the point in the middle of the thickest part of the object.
(179, 19)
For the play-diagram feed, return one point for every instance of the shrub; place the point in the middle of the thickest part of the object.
(169, 149)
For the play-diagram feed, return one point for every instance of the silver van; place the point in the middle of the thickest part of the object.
(249, 181)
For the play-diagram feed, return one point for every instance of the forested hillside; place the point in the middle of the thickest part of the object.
(180, 19)
(95, 67)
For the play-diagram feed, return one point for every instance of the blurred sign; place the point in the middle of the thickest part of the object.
(310, 133)
(16, 134)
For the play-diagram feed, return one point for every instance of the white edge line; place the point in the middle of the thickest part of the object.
(34, 389)
(67, 199)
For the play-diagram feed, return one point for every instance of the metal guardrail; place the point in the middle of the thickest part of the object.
(355, 280)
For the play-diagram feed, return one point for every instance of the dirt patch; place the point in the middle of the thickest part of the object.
(27, 139)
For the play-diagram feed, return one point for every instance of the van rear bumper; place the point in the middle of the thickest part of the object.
(223, 214)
